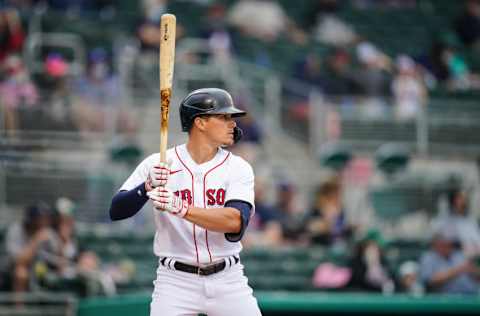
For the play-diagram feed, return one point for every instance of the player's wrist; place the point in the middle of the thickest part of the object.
(148, 185)
(180, 208)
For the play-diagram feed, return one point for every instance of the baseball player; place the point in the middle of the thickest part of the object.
(202, 201)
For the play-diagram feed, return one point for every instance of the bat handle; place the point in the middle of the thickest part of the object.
(165, 106)
(163, 148)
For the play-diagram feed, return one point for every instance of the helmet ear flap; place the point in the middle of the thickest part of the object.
(237, 134)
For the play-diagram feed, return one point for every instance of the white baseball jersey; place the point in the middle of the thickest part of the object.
(208, 185)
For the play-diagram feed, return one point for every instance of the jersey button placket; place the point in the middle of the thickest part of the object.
(198, 177)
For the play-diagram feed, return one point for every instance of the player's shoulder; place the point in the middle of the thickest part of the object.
(238, 162)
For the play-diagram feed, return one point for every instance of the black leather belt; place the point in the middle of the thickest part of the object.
(204, 270)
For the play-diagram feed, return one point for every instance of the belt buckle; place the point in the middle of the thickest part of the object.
(206, 270)
(202, 270)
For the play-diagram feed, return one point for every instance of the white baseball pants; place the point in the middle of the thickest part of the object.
(225, 293)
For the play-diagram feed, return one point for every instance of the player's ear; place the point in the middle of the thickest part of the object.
(199, 122)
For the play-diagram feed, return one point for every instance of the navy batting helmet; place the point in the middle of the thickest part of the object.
(204, 102)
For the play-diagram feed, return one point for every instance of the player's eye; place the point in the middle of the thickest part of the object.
(226, 117)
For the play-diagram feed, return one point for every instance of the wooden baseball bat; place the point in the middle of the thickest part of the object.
(166, 62)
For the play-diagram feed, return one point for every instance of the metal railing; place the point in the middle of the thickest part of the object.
(443, 128)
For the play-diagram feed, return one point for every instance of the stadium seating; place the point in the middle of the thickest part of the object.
(451, 124)
(263, 266)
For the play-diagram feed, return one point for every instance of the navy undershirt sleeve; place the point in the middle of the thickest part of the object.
(125, 204)
(244, 208)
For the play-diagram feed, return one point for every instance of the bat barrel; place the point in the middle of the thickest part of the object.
(166, 67)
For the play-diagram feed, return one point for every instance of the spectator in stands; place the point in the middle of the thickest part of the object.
(290, 216)
(467, 25)
(56, 90)
(445, 269)
(252, 133)
(12, 36)
(148, 31)
(69, 262)
(369, 268)
(409, 279)
(216, 32)
(433, 62)
(461, 77)
(408, 89)
(338, 79)
(153, 9)
(100, 106)
(148, 34)
(250, 146)
(326, 222)
(64, 226)
(16, 91)
(327, 27)
(373, 78)
(264, 228)
(462, 224)
(271, 21)
(332, 77)
(449, 67)
(26, 242)
(319, 8)
(309, 70)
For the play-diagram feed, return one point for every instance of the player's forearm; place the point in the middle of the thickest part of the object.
(125, 204)
(224, 220)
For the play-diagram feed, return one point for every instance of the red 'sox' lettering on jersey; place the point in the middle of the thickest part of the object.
(220, 196)
(185, 195)
(210, 195)
(215, 196)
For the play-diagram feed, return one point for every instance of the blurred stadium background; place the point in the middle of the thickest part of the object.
(378, 97)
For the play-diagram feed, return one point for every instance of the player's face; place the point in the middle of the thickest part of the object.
(220, 129)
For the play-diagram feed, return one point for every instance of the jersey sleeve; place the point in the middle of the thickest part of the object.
(241, 183)
(140, 173)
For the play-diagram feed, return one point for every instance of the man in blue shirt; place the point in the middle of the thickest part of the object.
(444, 269)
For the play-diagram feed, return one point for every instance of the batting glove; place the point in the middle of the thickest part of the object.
(165, 200)
(158, 174)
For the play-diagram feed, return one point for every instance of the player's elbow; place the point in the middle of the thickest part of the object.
(116, 210)
(235, 223)
(114, 216)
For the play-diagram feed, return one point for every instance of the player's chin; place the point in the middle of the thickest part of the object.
(229, 140)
